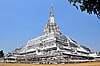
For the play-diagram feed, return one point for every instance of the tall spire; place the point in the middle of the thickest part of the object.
(51, 12)
(51, 17)
(51, 26)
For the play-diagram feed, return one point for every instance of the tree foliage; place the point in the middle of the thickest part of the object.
(90, 6)
(1, 54)
(99, 53)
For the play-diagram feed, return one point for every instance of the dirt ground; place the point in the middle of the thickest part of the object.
(78, 64)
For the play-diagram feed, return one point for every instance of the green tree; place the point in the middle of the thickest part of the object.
(99, 53)
(1, 54)
(90, 6)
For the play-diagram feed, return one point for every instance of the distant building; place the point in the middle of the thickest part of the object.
(52, 47)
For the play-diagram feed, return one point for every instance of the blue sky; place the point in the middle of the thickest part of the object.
(22, 20)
